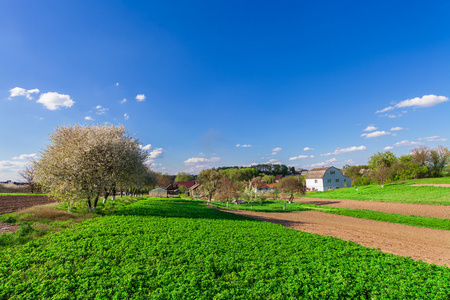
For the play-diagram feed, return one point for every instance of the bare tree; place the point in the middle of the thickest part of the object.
(27, 174)
(438, 159)
(290, 185)
(227, 190)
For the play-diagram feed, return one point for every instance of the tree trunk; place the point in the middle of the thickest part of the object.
(89, 203)
(106, 197)
(113, 194)
(227, 204)
(284, 205)
(96, 200)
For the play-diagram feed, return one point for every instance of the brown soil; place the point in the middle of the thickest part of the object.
(8, 228)
(425, 210)
(432, 184)
(428, 245)
(9, 204)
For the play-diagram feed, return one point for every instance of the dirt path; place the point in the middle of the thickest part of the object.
(429, 245)
(426, 210)
(432, 184)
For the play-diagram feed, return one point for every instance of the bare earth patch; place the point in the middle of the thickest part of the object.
(432, 184)
(425, 210)
(8, 228)
(428, 245)
(9, 204)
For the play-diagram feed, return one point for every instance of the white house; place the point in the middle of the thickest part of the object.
(326, 178)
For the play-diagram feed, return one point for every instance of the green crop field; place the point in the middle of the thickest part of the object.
(174, 249)
(395, 192)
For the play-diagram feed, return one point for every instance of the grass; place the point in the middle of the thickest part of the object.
(277, 206)
(395, 192)
(174, 249)
(39, 220)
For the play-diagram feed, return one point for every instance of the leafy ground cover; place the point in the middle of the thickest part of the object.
(174, 249)
(277, 206)
(395, 192)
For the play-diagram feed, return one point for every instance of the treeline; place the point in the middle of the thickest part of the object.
(267, 169)
(384, 167)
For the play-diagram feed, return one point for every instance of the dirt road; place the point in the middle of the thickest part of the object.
(429, 245)
(426, 210)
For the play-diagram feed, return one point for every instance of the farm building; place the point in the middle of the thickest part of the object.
(326, 178)
(158, 192)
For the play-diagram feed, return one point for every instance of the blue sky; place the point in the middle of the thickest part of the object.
(303, 83)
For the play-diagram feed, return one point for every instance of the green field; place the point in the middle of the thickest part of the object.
(395, 192)
(277, 206)
(174, 249)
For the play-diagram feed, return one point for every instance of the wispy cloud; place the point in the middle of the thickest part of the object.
(425, 101)
(117, 84)
(123, 101)
(376, 134)
(388, 148)
(396, 128)
(54, 101)
(140, 97)
(323, 163)
(243, 146)
(407, 143)
(433, 139)
(88, 118)
(301, 157)
(100, 110)
(126, 116)
(308, 149)
(277, 149)
(345, 150)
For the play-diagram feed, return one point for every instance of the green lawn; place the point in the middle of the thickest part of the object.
(174, 249)
(395, 192)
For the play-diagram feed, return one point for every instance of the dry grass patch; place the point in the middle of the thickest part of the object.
(46, 211)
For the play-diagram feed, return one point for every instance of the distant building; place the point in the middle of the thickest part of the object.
(326, 178)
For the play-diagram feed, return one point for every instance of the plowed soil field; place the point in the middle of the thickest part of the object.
(428, 245)
(424, 210)
(9, 204)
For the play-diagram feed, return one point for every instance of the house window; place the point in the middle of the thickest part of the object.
(337, 179)
(332, 172)
(345, 180)
(329, 180)
(315, 181)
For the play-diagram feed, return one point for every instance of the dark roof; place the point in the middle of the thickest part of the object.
(317, 173)
(187, 184)
(278, 176)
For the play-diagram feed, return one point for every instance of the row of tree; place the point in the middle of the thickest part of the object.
(218, 185)
(81, 163)
(385, 166)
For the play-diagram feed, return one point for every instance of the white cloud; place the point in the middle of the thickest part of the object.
(101, 110)
(88, 118)
(407, 143)
(53, 100)
(308, 149)
(274, 161)
(301, 157)
(243, 146)
(156, 153)
(17, 91)
(126, 116)
(197, 160)
(197, 168)
(345, 150)
(396, 128)
(425, 101)
(26, 156)
(388, 148)
(324, 163)
(433, 139)
(117, 84)
(375, 134)
(124, 100)
(277, 149)
(146, 147)
(370, 128)
(140, 97)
